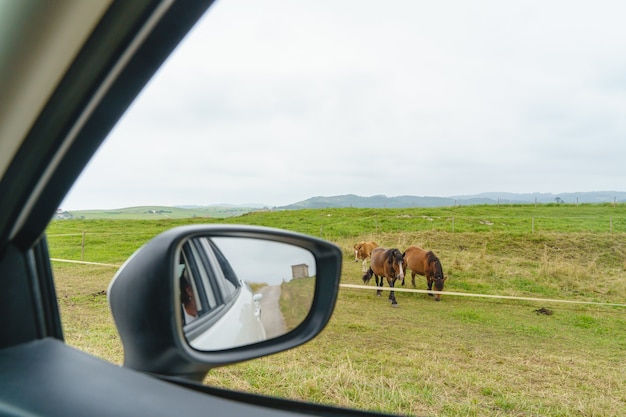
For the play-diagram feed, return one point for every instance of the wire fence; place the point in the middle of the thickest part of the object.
(76, 245)
(517, 224)
(409, 290)
(477, 295)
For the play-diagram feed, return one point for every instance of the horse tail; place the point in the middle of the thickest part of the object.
(368, 275)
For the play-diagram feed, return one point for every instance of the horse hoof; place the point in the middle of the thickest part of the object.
(394, 305)
(437, 299)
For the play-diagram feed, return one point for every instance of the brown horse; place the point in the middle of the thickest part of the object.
(363, 252)
(387, 263)
(425, 263)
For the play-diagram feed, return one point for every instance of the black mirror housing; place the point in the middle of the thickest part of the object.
(143, 301)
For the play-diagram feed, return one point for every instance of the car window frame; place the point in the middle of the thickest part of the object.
(227, 274)
(202, 279)
(197, 276)
(207, 270)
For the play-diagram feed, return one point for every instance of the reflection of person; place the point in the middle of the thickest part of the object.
(187, 298)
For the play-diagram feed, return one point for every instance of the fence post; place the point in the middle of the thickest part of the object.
(82, 253)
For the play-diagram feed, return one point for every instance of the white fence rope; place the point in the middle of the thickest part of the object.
(463, 294)
(460, 294)
(84, 262)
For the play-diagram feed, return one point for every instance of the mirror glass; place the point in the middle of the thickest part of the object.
(237, 291)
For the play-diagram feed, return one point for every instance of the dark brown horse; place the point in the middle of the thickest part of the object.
(425, 263)
(387, 263)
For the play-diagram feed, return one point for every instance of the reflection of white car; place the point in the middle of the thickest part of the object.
(257, 300)
(229, 313)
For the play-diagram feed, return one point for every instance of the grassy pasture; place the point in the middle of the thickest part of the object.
(296, 297)
(461, 356)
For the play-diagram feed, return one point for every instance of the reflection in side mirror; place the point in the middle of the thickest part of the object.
(236, 291)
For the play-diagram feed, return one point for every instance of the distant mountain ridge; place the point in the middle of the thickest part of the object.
(406, 201)
(343, 201)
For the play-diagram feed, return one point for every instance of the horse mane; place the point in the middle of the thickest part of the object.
(389, 255)
(432, 259)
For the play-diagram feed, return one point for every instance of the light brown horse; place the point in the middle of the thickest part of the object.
(426, 263)
(363, 252)
(387, 263)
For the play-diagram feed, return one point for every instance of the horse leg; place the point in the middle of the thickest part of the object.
(413, 278)
(392, 296)
(429, 281)
(379, 292)
(364, 265)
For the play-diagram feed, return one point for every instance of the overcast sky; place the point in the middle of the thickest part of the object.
(264, 262)
(274, 102)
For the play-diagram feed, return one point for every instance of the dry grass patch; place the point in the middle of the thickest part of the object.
(85, 314)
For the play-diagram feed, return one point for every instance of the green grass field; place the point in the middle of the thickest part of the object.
(461, 356)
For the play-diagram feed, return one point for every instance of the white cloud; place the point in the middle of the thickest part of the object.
(274, 102)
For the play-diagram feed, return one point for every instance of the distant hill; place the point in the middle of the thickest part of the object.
(158, 212)
(405, 201)
(341, 201)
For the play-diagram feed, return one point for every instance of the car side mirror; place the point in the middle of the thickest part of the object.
(201, 296)
(236, 291)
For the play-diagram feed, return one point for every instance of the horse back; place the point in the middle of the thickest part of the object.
(377, 261)
(364, 249)
(416, 259)
(384, 262)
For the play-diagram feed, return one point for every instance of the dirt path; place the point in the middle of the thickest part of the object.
(271, 316)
